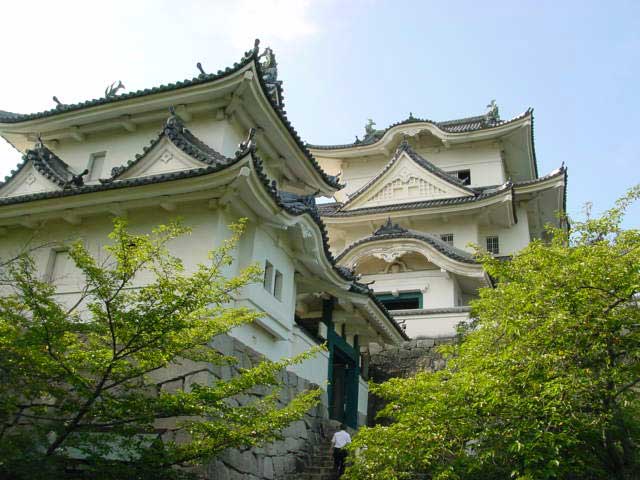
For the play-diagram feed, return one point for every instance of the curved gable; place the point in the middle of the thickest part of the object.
(407, 177)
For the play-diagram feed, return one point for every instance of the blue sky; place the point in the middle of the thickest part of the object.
(576, 63)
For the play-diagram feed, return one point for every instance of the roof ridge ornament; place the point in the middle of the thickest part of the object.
(76, 180)
(112, 90)
(389, 228)
(493, 113)
(268, 65)
(248, 144)
(174, 120)
(202, 72)
(59, 104)
(39, 145)
(404, 144)
(368, 128)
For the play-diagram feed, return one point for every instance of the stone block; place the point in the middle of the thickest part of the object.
(223, 344)
(217, 471)
(426, 343)
(267, 469)
(278, 466)
(200, 378)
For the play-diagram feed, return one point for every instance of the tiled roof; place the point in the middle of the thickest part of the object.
(273, 92)
(49, 165)
(9, 117)
(462, 125)
(293, 203)
(182, 138)
(334, 209)
(558, 172)
(300, 204)
(433, 240)
(404, 147)
(338, 212)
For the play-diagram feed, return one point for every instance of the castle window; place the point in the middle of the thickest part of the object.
(273, 280)
(277, 285)
(447, 238)
(463, 175)
(268, 277)
(493, 244)
(96, 166)
(401, 301)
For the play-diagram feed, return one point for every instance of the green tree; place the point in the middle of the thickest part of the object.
(84, 390)
(543, 384)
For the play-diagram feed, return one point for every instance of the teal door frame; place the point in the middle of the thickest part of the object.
(335, 343)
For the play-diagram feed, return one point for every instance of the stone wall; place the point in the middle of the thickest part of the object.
(403, 361)
(284, 457)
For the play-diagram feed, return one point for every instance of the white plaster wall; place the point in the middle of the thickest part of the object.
(208, 231)
(482, 159)
(511, 239)
(440, 290)
(122, 146)
(315, 369)
(280, 312)
(434, 325)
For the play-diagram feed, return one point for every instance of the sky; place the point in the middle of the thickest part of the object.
(577, 63)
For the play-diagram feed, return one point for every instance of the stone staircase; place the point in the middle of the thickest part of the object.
(320, 466)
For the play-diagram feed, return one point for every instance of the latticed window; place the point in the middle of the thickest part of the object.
(447, 238)
(493, 244)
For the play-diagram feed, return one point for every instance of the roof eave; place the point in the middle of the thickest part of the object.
(411, 129)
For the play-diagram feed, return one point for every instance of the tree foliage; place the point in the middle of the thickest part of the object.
(88, 390)
(543, 384)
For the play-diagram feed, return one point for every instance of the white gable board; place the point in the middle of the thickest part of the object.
(164, 157)
(404, 182)
(28, 181)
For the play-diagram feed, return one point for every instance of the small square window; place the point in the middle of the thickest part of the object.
(277, 285)
(447, 238)
(493, 245)
(268, 277)
(96, 165)
(463, 175)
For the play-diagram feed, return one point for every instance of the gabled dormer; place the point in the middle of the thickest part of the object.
(407, 177)
(40, 171)
(175, 149)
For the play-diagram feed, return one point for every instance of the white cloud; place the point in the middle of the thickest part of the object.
(243, 20)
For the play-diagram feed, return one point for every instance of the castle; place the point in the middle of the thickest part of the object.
(389, 259)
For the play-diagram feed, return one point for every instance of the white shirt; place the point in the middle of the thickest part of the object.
(340, 439)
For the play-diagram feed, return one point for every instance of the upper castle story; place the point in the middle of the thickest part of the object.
(481, 151)
(97, 139)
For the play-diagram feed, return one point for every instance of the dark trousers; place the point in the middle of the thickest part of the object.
(339, 455)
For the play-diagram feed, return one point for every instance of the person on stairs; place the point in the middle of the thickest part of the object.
(338, 443)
